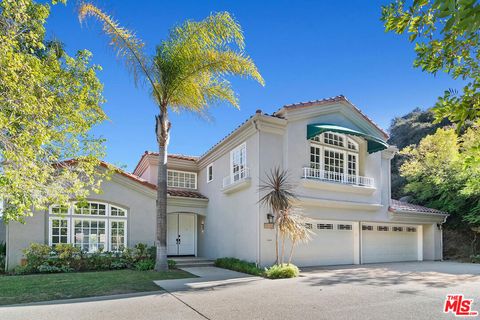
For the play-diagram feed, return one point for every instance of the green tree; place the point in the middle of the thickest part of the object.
(49, 101)
(446, 34)
(407, 130)
(440, 173)
(188, 72)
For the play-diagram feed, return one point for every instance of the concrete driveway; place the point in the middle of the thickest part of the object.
(380, 291)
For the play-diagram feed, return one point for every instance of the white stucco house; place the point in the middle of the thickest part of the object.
(338, 158)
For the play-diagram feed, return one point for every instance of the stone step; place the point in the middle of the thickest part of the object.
(196, 264)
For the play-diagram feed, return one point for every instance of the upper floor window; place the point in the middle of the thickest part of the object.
(210, 173)
(238, 163)
(335, 156)
(181, 179)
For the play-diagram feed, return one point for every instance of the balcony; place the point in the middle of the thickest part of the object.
(236, 181)
(330, 180)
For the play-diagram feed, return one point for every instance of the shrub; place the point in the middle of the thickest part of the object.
(239, 265)
(144, 265)
(282, 271)
(67, 258)
(3, 253)
(475, 259)
(172, 264)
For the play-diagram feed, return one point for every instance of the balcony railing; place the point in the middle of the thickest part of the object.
(236, 177)
(330, 176)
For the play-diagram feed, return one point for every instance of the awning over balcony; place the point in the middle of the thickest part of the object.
(373, 144)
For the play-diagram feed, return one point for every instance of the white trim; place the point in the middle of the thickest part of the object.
(182, 171)
(241, 146)
(50, 234)
(125, 227)
(209, 167)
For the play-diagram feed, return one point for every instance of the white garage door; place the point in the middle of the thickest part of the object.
(389, 243)
(331, 243)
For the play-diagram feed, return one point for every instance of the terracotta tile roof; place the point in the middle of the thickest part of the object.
(173, 156)
(396, 205)
(326, 101)
(131, 176)
(185, 193)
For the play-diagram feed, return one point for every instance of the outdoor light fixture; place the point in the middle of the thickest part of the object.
(270, 218)
(202, 226)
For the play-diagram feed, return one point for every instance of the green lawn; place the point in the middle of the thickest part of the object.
(43, 287)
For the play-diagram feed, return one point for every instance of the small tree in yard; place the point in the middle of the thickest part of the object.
(288, 221)
(188, 72)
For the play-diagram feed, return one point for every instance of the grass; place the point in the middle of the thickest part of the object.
(239, 265)
(44, 287)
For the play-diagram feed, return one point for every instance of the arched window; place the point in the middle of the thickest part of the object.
(91, 226)
(334, 157)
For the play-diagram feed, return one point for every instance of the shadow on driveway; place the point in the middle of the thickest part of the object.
(426, 274)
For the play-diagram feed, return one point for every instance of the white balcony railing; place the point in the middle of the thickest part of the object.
(236, 177)
(330, 176)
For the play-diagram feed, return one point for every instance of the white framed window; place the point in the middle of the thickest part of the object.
(308, 225)
(90, 234)
(181, 179)
(91, 208)
(209, 172)
(333, 139)
(118, 235)
(238, 163)
(90, 226)
(367, 228)
(59, 231)
(398, 229)
(117, 212)
(382, 228)
(336, 155)
(411, 229)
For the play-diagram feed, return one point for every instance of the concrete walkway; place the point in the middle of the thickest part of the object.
(208, 278)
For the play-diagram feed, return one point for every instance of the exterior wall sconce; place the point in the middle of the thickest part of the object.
(269, 224)
(202, 226)
(270, 217)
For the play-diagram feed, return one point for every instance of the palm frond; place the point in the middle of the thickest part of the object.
(198, 57)
(278, 190)
(127, 46)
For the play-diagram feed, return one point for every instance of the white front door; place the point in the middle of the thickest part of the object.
(181, 234)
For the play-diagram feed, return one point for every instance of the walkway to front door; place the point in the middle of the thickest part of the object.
(181, 234)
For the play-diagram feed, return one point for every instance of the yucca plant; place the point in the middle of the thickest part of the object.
(188, 72)
(278, 196)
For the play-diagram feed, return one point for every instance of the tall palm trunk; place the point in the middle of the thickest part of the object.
(294, 241)
(162, 132)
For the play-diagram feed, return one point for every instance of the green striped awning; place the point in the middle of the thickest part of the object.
(373, 144)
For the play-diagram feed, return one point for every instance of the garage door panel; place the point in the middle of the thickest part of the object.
(326, 247)
(389, 246)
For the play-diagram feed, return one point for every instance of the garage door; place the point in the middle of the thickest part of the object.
(331, 243)
(389, 243)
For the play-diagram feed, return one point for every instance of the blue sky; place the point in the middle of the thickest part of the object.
(305, 50)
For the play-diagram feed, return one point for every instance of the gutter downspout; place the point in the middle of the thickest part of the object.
(259, 224)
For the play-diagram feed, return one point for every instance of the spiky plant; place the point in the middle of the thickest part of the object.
(278, 197)
(188, 72)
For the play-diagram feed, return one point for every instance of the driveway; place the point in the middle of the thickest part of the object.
(380, 291)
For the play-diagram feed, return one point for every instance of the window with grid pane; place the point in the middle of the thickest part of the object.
(117, 235)
(333, 139)
(238, 158)
(91, 208)
(315, 154)
(352, 145)
(352, 167)
(59, 231)
(117, 212)
(89, 235)
(333, 164)
(181, 179)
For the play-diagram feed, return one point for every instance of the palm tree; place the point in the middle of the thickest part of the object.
(188, 72)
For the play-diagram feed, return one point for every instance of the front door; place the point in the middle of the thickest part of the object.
(180, 234)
